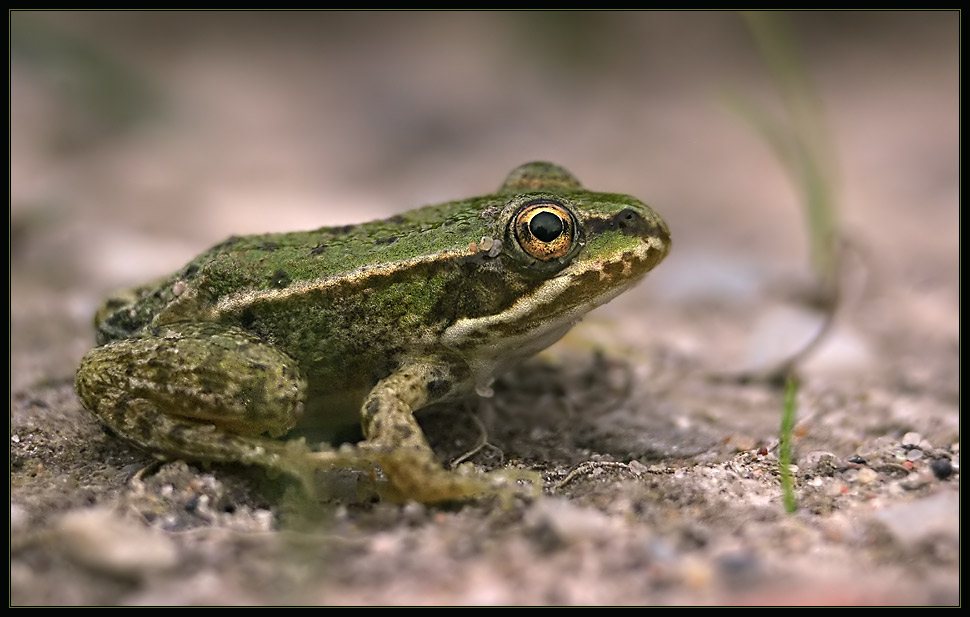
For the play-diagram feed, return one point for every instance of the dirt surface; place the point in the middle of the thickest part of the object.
(140, 139)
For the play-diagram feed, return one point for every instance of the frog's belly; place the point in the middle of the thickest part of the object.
(329, 415)
(339, 375)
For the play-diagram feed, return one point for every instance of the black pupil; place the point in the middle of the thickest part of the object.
(546, 226)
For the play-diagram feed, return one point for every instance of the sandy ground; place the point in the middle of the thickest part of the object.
(138, 140)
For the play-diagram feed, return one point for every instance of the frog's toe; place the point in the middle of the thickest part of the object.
(412, 476)
(517, 482)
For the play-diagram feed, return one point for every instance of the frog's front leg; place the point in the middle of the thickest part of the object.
(395, 441)
(199, 391)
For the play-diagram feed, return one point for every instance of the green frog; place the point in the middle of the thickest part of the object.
(264, 336)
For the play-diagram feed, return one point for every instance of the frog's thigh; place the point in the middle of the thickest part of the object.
(201, 391)
(396, 442)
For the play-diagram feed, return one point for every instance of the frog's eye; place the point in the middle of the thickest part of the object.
(545, 230)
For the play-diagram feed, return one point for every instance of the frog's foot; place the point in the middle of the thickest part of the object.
(521, 482)
(506, 484)
(416, 475)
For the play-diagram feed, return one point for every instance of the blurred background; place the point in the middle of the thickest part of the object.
(138, 139)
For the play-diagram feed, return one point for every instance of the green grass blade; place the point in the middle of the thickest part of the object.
(785, 445)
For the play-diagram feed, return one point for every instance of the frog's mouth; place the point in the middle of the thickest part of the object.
(596, 282)
(562, 300)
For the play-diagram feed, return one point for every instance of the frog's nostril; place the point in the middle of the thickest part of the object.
(627, 219)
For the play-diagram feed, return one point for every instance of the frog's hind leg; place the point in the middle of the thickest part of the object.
(202, 392)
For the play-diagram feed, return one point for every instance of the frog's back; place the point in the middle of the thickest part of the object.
(214, 285)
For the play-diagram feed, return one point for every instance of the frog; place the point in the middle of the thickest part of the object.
(235, 356)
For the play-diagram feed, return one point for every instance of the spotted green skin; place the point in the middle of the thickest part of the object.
(356, 325)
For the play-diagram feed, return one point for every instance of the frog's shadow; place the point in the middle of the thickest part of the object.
(540, 410)
(544, 415)
(548, 413)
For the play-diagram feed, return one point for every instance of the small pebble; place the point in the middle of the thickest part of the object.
(570, 523)
(820, 461)
(936, 516)
(101, 539)
(264, 520)
(914, 455)
(414, 512)
(866, 475)
(942, 468)
(858, 460)
(696, 573)
(739, 566)
(638, 468)
(386, 543)
(18, 517)
(743, 443)
(835, 529)
(911, 439)
(834, 489)
(916, 480)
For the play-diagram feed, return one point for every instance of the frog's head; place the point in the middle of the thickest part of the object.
(566, 251)
(585, 247)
